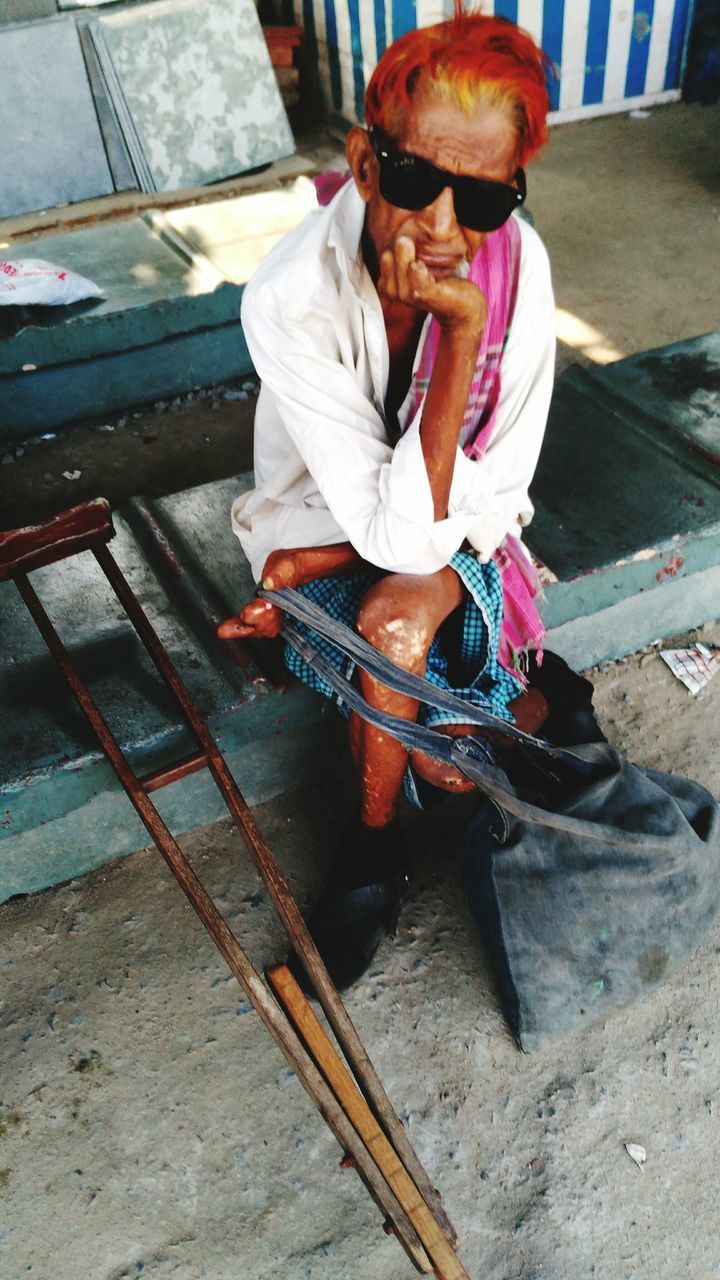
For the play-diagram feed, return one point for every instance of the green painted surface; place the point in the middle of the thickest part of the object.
(169, 320)
(627, 499)
(104, 825)
(638, 619)
(105, 385)
(151, 292)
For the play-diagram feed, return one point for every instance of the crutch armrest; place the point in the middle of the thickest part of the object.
(63, 535)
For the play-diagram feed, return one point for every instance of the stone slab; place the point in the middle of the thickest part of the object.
(235, 235)
(52, 148)
(198, 83)
(26, 10)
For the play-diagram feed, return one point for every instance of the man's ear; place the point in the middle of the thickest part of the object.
(361, 158)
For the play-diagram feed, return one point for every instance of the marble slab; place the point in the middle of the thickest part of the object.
(25, 10)
(52, 149)
(198, 83)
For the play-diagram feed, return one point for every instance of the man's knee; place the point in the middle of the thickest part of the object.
(397, 624)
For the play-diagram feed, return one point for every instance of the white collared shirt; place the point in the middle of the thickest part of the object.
(325, 470)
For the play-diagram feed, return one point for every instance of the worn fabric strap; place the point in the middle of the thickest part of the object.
(471, 758)
(394, 677)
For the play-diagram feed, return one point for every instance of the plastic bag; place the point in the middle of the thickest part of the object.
(27, 282)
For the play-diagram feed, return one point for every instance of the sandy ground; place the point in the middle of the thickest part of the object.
(149, 1127)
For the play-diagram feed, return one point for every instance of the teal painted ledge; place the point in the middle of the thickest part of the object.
(627, 501)
(169, 320)
(62, 810)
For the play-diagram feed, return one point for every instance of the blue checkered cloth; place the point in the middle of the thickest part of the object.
(463, 655)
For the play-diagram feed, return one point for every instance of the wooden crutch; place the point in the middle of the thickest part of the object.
(382, 1154)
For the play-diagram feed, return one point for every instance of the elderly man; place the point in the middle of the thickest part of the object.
(404, 338)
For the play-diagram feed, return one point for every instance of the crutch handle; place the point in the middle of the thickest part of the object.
(63, 535)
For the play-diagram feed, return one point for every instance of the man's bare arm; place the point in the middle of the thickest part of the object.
(460, 309)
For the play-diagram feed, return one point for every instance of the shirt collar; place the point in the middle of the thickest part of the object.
(347, 212)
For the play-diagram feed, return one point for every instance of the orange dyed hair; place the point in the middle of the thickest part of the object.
(473, 60)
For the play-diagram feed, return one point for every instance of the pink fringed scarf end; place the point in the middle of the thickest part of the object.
(522, 627)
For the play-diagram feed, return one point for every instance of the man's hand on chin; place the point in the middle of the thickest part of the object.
(455, 303)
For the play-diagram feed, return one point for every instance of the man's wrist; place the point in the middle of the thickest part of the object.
(465, 332)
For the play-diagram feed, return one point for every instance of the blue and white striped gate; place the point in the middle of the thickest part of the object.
(610, 55)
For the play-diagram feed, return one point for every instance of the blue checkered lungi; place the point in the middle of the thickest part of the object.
(469, 667)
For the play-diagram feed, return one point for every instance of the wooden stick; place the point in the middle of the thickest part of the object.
(446, 1264)
(89, 526)
(278, 889)
(274, 1018)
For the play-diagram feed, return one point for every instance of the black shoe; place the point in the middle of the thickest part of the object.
(367, 886)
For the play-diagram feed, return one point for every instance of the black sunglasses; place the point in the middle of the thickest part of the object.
(409, 182)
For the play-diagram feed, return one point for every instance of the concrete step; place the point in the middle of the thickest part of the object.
(627, 501)
(169, 320)
(62, 811)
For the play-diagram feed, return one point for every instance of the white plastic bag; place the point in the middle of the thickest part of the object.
(29, 282)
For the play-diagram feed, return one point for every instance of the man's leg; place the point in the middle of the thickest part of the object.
(368, 879)
(399, 616)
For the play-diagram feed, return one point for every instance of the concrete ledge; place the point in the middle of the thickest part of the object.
(124, 204)
(61, 394)
(636, 621)
(627, 501)
(62, 809)
(104, 825)
(169, 320)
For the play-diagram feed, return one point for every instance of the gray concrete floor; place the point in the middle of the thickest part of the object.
(149, 1127)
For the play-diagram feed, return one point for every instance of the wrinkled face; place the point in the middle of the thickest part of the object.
(481, 145)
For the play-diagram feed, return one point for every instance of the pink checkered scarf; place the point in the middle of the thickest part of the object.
(495, 270)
